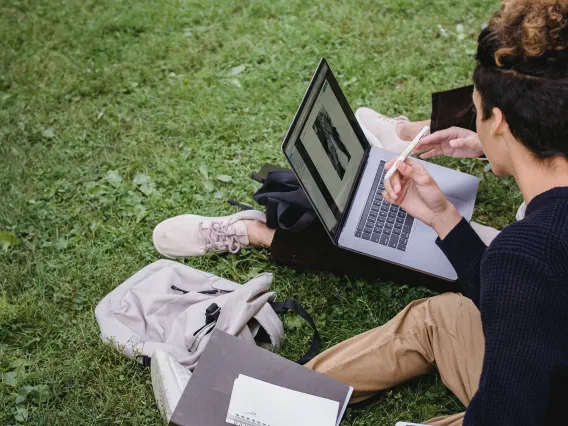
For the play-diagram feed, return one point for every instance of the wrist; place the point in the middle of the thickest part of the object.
(446, 220)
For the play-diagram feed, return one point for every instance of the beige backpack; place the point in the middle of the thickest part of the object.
(173, 307)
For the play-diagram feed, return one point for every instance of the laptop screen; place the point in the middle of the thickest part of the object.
(324, 149)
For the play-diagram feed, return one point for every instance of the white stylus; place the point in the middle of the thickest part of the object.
(407, 151)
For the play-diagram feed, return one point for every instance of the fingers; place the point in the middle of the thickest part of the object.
(390, 163)
(391, 190)
(430, 154)
(463, 143)
(393, 197)
(392, 185)
(389, 194)
(415, 172)
(424, 147)
(388, 198)
(394, 181)
(433, 140)
(455, 144)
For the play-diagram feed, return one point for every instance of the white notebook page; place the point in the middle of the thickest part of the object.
(257, 403)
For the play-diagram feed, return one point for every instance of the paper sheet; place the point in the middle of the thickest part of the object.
(257, 403)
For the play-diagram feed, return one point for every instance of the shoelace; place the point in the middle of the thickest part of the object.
(220, 236)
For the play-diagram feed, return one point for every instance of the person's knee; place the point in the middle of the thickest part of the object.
(446, 299)
(445, 307)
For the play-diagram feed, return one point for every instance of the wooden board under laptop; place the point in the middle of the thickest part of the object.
(205, 400)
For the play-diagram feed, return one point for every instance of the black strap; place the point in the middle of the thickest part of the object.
(257, 177)
(144, 360)
(239, 205)
(291, 305)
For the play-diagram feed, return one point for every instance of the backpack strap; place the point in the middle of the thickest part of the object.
(144, 360)
(291, 305)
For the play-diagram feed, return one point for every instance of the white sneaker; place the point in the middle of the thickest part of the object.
(169, 379)
(191, 235)
(380, 130)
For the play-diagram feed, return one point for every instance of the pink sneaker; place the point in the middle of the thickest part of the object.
(191, 235)
(380, 130)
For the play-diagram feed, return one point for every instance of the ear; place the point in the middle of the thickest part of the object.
(499, 124)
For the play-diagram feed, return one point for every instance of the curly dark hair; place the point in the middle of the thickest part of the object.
(530, 28)
(522, 69)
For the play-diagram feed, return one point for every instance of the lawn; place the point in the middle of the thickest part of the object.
(115, 115)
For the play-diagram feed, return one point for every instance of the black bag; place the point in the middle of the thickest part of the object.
(287, 206)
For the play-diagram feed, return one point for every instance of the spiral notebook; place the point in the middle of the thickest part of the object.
(205, 401)
(257, 403)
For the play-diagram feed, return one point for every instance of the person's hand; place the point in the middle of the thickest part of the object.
(452, 142)
(413, 189)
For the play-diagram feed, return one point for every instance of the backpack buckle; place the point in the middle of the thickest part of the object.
(212, 313)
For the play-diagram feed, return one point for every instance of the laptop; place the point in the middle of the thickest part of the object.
(342, 175)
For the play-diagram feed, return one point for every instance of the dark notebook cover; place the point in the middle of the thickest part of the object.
(205, 400)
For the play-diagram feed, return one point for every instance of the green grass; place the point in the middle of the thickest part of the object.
(115, 115)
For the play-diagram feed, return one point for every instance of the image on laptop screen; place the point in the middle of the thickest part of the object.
(326, 156)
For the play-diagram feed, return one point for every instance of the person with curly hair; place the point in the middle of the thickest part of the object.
(502, 346)
(502, 349)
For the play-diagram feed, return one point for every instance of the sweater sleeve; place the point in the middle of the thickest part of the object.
(464, 249)
(519, 316)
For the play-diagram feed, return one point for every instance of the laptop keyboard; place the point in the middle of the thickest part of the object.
(381, 222)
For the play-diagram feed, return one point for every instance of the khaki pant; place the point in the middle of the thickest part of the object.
(442, 331)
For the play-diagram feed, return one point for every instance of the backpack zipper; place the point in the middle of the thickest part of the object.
(211, 292)
(173, 287)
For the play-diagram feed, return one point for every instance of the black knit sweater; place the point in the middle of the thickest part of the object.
(520, 285)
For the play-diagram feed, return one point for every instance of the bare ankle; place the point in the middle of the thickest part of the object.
(259, 234)
(408, 131)
(403, 130)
